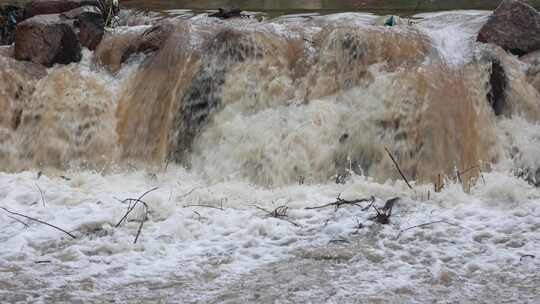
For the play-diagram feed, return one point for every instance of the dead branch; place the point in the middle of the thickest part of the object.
(38, 221)
(470, 168)
(280, 212)
(459, 177)
(19, 221)
(427, 224)
(131, 207)
(140, 227)
(342, 202)
(42, 262)
(381, 217)
(398, 168)
(526, 256)
(41, 194)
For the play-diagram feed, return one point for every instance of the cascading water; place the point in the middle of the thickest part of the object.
(246, 110)
(268, 104)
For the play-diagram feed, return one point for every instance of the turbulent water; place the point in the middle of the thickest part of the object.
(232, 117)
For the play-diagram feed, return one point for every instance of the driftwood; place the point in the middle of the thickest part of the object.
(342, 202)
(383, 214)
(38, 221)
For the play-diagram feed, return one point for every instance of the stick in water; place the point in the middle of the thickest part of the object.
(398, 168)
(39, 221)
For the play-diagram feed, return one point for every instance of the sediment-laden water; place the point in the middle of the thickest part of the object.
(229, 117)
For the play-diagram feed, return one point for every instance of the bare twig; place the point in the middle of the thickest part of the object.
(398, 168)
(427, 224)
(526, 256)
(280, 212)
(188, 193)
(42, 262)
(131, 207)
(459, 177)
(140, 228)
(342, 202)
(18, 220)
(384, 214)
(39, 221)
(470, 168)
(41, 194)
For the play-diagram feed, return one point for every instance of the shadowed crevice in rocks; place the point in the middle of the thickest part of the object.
(497, 81)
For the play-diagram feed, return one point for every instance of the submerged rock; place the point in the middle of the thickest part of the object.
(47, 39)
(515, 26)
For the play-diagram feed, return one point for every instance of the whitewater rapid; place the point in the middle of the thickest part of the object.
(276, 142)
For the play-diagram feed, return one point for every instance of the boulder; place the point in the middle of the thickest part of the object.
(515, 26)
(90, 24)
(45, 7)
(9, 16)
(47, 39)
(115, 49)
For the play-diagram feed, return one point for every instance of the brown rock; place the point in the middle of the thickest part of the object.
(90, 23)
(515, 26)
(115, 49)
(47, 39)
(44, 7)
